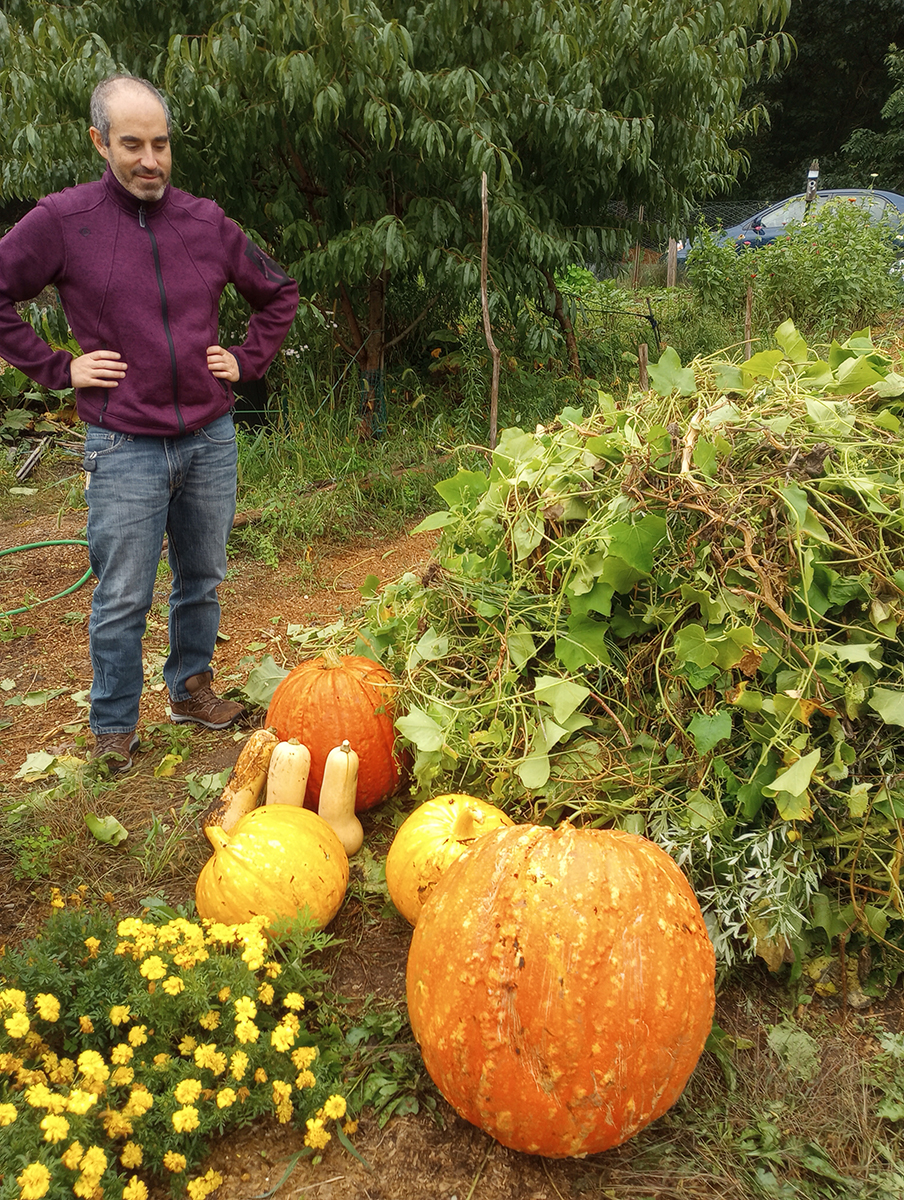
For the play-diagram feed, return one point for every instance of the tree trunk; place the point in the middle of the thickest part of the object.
(565, 324)
(370, 360)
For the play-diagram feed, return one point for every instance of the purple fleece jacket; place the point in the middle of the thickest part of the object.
(143, 279)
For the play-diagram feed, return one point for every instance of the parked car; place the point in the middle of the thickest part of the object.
(765, 226)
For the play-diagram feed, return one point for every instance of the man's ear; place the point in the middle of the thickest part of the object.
(99, 142)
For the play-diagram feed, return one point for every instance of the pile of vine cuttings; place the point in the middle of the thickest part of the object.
(680, 616)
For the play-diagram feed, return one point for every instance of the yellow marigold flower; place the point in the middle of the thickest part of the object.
(56, 898)
(187, 1091)
(316, 1136)
(305, 1079)
(273, 970)
(245, 1008)
(72, 1156)
(290, 1021)
(173, 985)
(223, 994)
(55, 1128)
(208, 1056)
(139, 1102)
(294, 1000)
(265, 993)
(186, 1119)
(122, 1076)
(13, 998)
(281, 1038)
(8, 1114)
(17, 1025)
(135, 1189)
(86, 1025)
(226, 1097)
(238, 1065)
(153, 967)
(9, 1063)
(138, 1035)
(247, 1031)
(304, 1056)
(64, 1073)
(334, 1108)
(85, 1187)
(116, 1124)
(350, 1127)
(33, 1182)
(92, 1066)
(243, 1093)
(132, 1155)
(79, 1102)
(260, 1075)
(253, 959)
(175, 1162)
(48, 1006)
(119, 1014)
(94, 1162)
(92, 944)
(121, 1053)
(160, 1060)
(39, 1095)
(204, 1185)
(187, 1046)
(210, 1020)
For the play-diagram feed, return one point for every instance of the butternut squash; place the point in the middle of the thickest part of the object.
(337, 796)
(287, 775)
(245, 784)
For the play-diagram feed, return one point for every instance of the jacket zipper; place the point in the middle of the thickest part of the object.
(165, 311)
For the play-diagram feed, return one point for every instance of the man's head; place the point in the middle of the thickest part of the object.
(130, 127)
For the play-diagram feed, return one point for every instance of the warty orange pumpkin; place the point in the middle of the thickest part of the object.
(561, 986)
(326, 700)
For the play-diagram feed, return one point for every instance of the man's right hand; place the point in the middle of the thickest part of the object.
(100, 368)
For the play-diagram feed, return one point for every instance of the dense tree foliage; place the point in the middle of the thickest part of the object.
(352, 136)
(835, 83)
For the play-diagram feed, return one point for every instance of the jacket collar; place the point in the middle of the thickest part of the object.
(125, 200)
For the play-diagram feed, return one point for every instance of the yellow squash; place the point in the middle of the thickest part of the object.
(278, 860)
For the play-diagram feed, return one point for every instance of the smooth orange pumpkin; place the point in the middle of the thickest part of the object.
(327, 700)
(561, 986)
(429, 840)
(277, 860)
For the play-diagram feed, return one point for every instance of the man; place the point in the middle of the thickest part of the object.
(140, 267)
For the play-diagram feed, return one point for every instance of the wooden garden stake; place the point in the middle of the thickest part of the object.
(671, 268)
(635, 274)
(643, 357)
(487, 328)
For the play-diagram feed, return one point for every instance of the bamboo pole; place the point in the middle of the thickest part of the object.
(487, 328)
(635, 274)
(643, 358)
(671, 270)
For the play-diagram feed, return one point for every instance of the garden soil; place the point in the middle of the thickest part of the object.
(44, 673)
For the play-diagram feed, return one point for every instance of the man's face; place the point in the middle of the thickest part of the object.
(139, 151)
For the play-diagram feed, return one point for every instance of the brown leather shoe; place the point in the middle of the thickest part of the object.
(204, 706)
(115, 749)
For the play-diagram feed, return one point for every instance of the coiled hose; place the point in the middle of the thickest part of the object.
(12, 612)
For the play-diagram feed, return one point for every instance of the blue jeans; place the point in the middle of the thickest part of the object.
(139, 488)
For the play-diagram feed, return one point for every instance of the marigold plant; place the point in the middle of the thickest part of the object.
(125, 1046)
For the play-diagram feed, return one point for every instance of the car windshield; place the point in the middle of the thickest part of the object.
(795, 209)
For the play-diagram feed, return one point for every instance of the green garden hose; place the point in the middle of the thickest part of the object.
(12, 612)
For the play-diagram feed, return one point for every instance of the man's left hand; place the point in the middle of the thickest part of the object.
(222, 364)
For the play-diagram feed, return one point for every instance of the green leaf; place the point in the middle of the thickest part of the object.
(708, 730)
(263, 680)
(668, 375)
(421, 729)
(106, 829)
(796, 779)
(889, 704)
(37, 765)
(437, 520)
(562, 696)
(791, 342)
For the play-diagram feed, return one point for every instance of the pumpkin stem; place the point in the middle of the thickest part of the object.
(332, 657)
(217, 836)
(465, 826)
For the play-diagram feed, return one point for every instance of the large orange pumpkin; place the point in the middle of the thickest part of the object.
(328, 700)
(561, 986)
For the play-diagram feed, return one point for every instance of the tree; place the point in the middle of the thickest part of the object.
(352, 135)
(872, 155)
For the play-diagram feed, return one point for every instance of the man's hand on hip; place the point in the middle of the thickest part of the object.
(222, 364)
(100, 368)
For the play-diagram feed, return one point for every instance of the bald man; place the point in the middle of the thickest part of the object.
(140, 267)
